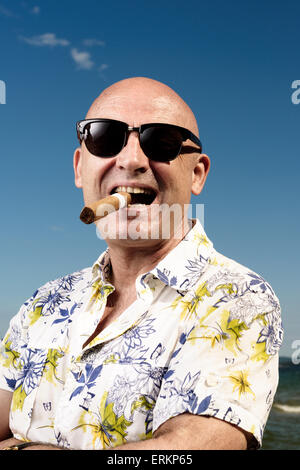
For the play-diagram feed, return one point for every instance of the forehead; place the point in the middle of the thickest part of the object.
(137, 107)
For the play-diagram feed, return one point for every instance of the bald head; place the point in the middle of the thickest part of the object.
(141, 100)
(137, 101)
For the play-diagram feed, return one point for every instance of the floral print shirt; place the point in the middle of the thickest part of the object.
(202, 337)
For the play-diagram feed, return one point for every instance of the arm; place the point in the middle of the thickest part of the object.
(192, 432)
(5, 401)
(184, 432)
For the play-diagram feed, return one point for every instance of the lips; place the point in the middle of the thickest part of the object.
(139, 195)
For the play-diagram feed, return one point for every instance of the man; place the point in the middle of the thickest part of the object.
(163, 343)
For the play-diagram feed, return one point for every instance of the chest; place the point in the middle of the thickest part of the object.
(115, 306)
(112, 383)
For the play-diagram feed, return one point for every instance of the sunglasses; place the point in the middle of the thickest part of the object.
(160, 142)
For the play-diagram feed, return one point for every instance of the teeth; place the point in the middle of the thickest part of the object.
(129, 189)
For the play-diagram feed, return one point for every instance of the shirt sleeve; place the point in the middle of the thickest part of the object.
(226, 366)
(12, 347)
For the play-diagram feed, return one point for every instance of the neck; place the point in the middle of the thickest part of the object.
(129, 260)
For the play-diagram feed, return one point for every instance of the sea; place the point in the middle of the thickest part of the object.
(282, 431)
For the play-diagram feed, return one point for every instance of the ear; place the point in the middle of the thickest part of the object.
(77, 158)
(200, 173)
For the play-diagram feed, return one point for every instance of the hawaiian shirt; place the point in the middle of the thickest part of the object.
(202, 337)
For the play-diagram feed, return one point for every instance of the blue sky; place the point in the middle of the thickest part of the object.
(233, 62)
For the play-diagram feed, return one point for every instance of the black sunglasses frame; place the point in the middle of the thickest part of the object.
(185, 133)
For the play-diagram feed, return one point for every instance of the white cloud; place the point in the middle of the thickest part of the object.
(82, 59)
(47, 39)
(56, 228)
(6, 12)
(36, 10)
(101, 69)
(93, 42)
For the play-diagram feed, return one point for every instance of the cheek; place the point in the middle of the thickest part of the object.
(93, 173)
(93, 169)
(182, 180)
(167, 173)
(174, 179)
(177, 173)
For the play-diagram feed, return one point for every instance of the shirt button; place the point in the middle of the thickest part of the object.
(212, 380)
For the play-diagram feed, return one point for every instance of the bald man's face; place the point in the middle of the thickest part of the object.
(171, 182)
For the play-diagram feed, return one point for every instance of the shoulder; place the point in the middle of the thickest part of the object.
(56, 297)
(236, 299)
(66, 283)
(226, 271)
(218, 274)
(48, 311)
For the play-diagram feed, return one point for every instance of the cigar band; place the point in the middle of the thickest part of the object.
(122, 200)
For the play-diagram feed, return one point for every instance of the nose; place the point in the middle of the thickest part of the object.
(132, 157)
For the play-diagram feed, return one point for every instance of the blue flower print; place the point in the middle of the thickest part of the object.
(51, 301)
(134, 336)
(68, 282)
(32, 364)
(259, 282)
(158, 351)
(183, 389)
(271, 334)
(65, 315)
(164, 276)
(86, 379)
(195, 268)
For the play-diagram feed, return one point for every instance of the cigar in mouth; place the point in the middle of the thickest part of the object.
(103, 207)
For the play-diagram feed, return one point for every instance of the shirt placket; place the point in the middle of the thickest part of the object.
(84, 329)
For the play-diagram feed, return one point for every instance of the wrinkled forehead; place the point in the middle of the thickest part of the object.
(141, 107)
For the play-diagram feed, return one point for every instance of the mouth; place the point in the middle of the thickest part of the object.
(138, 195)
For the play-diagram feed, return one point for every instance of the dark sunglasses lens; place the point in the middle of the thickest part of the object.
(105, 139)
(161, 144)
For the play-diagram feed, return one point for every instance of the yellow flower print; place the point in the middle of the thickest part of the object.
(228, 287)
(35, 313)
(214, 262)
(231, 331)
(106, 428)
(175, 302)
(226, 332)
(240, 381)
(9, 356)
(18, 398)
(51, 365)
(200, 239)
(100, 292)
(190, 306)
(259, 352)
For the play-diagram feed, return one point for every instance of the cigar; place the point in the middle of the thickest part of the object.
(97, 210)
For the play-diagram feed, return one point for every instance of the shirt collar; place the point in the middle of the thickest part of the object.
(101, 269)
(179, 269)
(183, 266)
